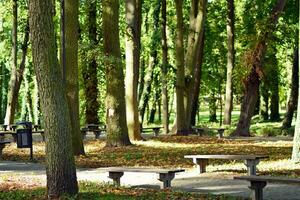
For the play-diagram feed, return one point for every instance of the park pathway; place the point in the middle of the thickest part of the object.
(214, 183)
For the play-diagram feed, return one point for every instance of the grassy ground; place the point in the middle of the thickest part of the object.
(169, 151)
(95, 191)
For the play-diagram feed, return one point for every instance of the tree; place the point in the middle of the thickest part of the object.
(89, 71)
(196, 29)
(116, 125)
(12, 96)
(292, 104)
(72, 86)
(252, 81)
(60, 164)
(230, 62)
(133, 29)
(296, 145)
(180, 128)
(164, 68)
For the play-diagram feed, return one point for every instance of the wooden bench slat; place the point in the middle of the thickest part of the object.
(270, 179)
(146, 170)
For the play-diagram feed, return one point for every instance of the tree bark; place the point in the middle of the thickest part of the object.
(264, 102)
(12, 96)
(196, 27)
(90, 72)
(72, 85)
(60, 164)
(147, 85)
(198, 73)
(274, 97)
(293, 100)
(164, 68)
(253, 79)
(132, 37)
(116, 125)
(180, 128)
(296, 144)
(230, 62)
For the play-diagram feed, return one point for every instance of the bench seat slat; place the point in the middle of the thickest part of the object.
(234, 157)
(270, 179)
(146, 170)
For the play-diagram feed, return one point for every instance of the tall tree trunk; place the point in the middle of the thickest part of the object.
(197, 19)
(133, 8)
(12, 97)
(72, 86)
(116, 125)
(198, 73)
(90, 72)
(230, 62)
(291, 107)
(60, 169)
(253, 79)
(274, 105)
(296, 145)
(213, 108)
(264, 102)
(147, 85)
(180, 128)
(164, 68)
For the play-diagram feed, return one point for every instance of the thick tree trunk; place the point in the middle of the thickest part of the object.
(116, 125)
(132, 67)
(293, 100)
(296, 145)
(180, 128)
(147, 86)
(230, 62)
(90, 72)
(60, 169)
(72, 86)
(198, 73)
(164, 68)
(196, 27)
(213, 108)
(12, 96)
(264, 102)
(274, 105)
(253, 79)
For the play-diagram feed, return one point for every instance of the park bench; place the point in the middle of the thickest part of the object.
(164, 175)
(2, 145)
(154, 129)
(249, 160)
(199, 131)
(257, 183)
(94, 128)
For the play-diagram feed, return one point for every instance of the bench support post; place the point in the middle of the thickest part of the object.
(116, 177)
(251, 166)
(201, 164)
(257, 189)
(166, 178)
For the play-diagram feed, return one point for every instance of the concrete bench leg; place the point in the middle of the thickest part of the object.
(201, 164)
(97, 134)
(251, 166)
(166, 179)
(257, 189)
(116, 177)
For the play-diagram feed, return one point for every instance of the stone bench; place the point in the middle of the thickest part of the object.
(154, 129)
(250, 161)
(94, 128)
(257, 183)
(164, 175)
